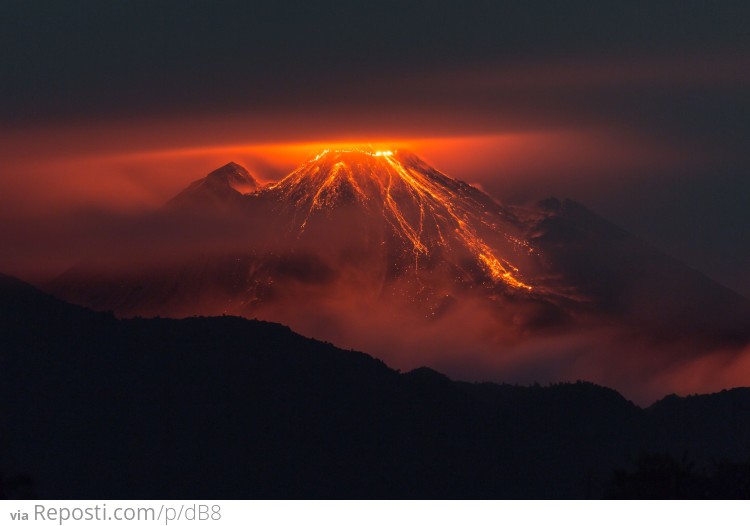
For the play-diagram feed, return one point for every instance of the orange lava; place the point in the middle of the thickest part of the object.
(366, 172)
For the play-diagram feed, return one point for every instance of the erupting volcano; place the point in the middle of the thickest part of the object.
(383, 224)
(380, 251)
(431, 217)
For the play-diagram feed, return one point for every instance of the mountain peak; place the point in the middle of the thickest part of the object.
(223, 185)
(431, 216)
(234, 176)
(354, 152)
(364, 174)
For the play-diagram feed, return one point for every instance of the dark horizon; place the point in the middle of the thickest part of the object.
(263, 413)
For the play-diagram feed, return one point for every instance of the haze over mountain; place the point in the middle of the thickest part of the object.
(379, 251)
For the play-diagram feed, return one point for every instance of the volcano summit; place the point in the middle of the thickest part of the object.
(380, 251)
(430, 217)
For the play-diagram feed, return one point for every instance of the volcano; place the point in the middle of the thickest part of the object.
(383, 223)
(357, 245)
(423, 218)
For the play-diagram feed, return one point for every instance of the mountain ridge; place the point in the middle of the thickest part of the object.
(261, 412)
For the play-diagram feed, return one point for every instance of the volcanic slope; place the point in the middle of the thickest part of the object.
(359, 243)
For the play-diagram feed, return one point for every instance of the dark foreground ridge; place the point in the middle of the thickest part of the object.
(96, 407)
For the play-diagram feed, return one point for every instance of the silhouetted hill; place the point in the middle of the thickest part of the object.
(662, 476)
(96, 407)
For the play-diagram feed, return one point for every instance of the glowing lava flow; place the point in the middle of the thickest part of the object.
(412, 198)
(421, 185)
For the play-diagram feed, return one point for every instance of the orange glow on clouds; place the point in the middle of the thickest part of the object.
(506, 165)
(53, 196)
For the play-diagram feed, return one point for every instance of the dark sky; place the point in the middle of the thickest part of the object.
(669, 81)
(94, 59)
